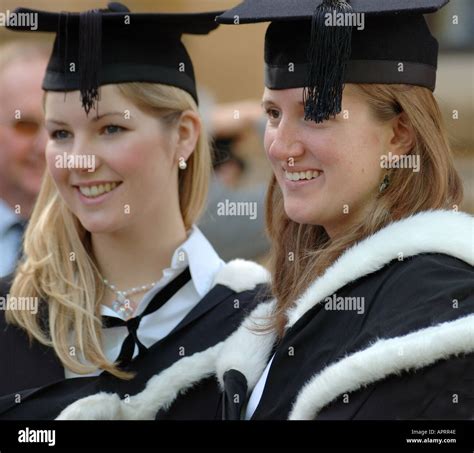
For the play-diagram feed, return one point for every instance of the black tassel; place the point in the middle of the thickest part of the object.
(90, 57)
(328, 54)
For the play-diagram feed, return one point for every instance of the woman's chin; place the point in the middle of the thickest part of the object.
(98, 226)
(301, 214)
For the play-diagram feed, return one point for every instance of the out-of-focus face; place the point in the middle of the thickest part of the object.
(22, 134)
(132, 155)
(327, 172)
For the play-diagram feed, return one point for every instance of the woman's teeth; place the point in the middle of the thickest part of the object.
(298, 175)
(95, 191)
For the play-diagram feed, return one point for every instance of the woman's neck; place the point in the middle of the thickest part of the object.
(137, 256)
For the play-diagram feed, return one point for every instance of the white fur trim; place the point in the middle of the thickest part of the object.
(241, 275)
(101, 406)
(248, 350)
(445, 232)
(386, 357)
(162, 389)
(160, 392)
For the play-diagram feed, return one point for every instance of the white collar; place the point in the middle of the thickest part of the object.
(203, 261)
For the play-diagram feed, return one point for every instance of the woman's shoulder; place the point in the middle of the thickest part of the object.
(422, 291)
(428, 275)
(5, 284)
(435, 262)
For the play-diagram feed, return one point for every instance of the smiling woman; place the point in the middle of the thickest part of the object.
(372, 266)
(127, 282)
(346, 228)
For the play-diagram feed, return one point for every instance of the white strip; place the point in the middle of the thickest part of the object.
(160, 392)
(386, 357)
(242, 275)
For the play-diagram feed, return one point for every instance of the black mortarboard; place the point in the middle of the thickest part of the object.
(113, 45)
(313, 44)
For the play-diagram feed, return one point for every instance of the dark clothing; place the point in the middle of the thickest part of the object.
(35, 373)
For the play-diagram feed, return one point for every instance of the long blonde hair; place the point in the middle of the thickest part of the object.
(436, 186)
(59, 268)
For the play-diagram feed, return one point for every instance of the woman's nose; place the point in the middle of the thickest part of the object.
(286, 144)
(86, 157)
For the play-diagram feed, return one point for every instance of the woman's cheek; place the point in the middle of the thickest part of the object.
(130, 157)
(268, 140)
(59, 174)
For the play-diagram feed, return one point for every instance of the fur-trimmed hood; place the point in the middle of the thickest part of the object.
(246, 350)
(447, 232)
(241, 275)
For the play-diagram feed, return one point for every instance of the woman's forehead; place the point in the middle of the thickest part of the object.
(70, 102)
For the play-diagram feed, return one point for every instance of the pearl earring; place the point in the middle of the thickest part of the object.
(182, 164)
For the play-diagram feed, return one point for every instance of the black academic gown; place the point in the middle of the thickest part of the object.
(403, 297)
(408, 294)
(36, 375)
(406, 353)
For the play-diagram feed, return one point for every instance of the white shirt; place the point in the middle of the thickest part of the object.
(204, 263)
(10, 239)
(257, 392)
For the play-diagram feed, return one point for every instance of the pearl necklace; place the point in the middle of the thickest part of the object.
(121, 304)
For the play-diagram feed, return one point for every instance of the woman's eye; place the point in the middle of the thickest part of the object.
(60, 135)
(112, 129)
(273, 114)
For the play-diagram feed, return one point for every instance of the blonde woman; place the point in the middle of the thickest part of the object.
(372, 264)
(126, 284)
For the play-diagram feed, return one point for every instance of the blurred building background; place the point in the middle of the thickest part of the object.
(229, 69)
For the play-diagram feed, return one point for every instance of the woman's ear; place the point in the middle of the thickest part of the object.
(188, 130)
(403, 136)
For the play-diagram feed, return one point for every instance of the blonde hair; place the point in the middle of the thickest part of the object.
(69, 289)
(436, 186)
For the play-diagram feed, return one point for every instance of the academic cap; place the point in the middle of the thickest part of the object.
(313, 44)
(113, 45)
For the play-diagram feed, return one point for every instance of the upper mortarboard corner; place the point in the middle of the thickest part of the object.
(183, 23)
(252, 11)
(114, 45)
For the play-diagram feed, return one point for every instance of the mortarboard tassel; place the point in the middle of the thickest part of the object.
(328, 53)
(90, 56)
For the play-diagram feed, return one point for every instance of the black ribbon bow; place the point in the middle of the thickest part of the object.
(128, 346)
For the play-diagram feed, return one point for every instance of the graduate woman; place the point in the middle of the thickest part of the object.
(125, 283)
(372, 269)
(372, 262)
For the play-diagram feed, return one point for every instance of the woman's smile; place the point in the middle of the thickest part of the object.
(94, 193)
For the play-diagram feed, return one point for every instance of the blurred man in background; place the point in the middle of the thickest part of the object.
(234, 234)
(22, 143)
